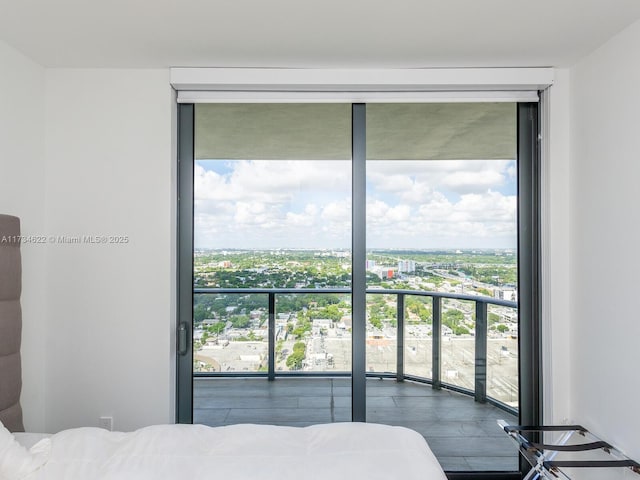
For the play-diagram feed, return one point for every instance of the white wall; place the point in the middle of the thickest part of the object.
(94, 158)
(605, 144)
(22, 194)
(556, 254)
(109, 172)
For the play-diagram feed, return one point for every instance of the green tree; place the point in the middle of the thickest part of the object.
(240, 321)
(295, 359)
(330, 311)
(460, 330)
(216, 328)
(452, 318)
(375, 320)
(303, 326)
(200, 313)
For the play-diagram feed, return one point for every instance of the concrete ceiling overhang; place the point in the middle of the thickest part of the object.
(430, 131)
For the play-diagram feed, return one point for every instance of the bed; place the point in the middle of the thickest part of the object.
(237, 452)
(10, 323)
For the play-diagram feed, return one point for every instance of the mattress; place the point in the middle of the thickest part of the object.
(237, 452)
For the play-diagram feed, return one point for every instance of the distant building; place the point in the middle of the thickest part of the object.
(406, 266)
(371, 264)
(319, 324)
(345, 322)
(508, 294)
(385, 273)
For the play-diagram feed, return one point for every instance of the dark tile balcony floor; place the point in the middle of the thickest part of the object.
(463, 434)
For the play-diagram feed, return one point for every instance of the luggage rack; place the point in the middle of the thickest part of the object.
(562, 451)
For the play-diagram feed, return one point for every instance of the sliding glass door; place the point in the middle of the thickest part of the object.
(344, 262)
(271, 262)
(442, 274)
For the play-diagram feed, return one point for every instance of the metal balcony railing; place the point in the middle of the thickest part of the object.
(479, 391)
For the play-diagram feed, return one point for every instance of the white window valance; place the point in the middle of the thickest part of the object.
(202, 85)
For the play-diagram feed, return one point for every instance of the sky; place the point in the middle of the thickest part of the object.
(264, 204)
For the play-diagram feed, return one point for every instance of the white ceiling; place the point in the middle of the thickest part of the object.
(311, 33)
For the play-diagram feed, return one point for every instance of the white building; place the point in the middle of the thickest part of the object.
(320, 324)
(406, 266)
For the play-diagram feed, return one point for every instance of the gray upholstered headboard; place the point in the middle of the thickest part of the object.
(10, 323)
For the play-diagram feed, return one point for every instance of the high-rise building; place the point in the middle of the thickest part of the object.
(406, 266)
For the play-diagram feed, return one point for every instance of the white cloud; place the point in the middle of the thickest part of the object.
(378, 212)
(305, 219)
(264, 204)
(489, 207)
(272, 203)
(476, 220)
(416, 180)
(250, 213)
(271, 181)
(473, 181)
(339, 211)
(336, 221)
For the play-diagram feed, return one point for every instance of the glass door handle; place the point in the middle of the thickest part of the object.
(182, 338)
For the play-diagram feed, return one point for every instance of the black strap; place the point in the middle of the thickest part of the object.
(544, 428)
(581, 447)
(590, 464)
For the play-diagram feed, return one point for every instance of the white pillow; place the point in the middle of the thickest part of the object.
(16, 462)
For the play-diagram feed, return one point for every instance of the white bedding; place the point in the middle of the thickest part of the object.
(239, 452)
(28, 440)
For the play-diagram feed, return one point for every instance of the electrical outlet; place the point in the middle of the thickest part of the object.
(106, 423)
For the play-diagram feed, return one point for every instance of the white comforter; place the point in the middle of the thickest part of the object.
(253, 452)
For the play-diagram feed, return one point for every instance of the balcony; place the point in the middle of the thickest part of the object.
(420, 374)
